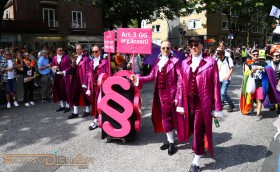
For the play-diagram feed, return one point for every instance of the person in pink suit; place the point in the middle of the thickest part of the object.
(79, 82)
(165, 74)
(199, 99)
(61, 66)
(97, 66)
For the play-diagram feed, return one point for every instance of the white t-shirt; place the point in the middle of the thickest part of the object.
(11, 74)
(224, 67)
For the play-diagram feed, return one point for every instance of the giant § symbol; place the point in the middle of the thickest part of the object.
(121, 118)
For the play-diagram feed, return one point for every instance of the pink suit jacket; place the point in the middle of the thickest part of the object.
(208, 85)
(173, 72)
(82, 67)
(101, 68)
(65, 65)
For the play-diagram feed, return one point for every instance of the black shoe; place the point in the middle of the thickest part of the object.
(171, 149)
(252, 111)
(66, 110)
(230, 109)
(194, 168)
(73, 115)
(164, 146)
(45, 101)
(272, 108)
(60, 109)
(85, 114)
(278, 110)
(93, 126)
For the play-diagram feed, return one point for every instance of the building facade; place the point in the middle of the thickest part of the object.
(163, 29)
(206, 26)
(51, 23)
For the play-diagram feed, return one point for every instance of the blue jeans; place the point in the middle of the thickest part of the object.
(224, 86)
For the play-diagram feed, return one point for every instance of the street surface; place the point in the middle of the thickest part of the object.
(240, 143)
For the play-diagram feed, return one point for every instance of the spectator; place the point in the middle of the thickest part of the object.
(44, 70)
(7, 68)
(137, 64)
(226, 68)
(29, 76)
(257, 70)
(275, 64)
(19, 68)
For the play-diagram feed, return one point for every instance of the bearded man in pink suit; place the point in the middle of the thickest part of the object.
(61, 66)
(165, 75)
(97, 66)
(79, 82)
(199, 99)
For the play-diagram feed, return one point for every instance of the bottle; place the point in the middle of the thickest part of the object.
(216, 121)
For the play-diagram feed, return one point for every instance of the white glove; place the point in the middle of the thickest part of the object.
(58, 73)
(217, 114)
(84, 86)
(88, 92)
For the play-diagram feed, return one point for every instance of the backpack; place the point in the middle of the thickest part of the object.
(226, 58)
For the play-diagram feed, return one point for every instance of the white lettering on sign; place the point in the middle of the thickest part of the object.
(135, 41)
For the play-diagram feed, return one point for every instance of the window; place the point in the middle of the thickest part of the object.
(233, 12)
(255, 29)
(156, 28)
(156, 15)
(194, 24)
(6, 14)
(225, 25)
(261, 30)
(157, 41)
(77, 19)
(49, 16)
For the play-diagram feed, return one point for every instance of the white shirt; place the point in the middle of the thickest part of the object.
(78, 59)
(224, 68)
(58, 58)
(11, 74)
(195, 62)
(96, 62)
(162, 62)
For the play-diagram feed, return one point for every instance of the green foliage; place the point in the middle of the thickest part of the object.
(115, 12)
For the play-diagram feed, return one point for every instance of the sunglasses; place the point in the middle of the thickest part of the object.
(165, 48)
(60, 50)
(276, 55)
(8, 54)
(255, 54)
(94, 51)
(193, 45)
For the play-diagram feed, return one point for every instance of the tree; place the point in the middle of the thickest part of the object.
(122, 12)
(245, 11)
(2, 7)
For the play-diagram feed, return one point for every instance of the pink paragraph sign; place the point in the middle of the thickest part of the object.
(109, 41)
(134, 41)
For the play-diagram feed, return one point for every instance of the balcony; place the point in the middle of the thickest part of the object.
(75, 27)
(49, 2)
(53, 26)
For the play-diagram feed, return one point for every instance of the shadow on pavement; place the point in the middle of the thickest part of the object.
(23, 126)
(234, 155)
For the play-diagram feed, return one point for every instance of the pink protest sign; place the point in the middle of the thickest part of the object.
(109, 41)
(134, 41)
